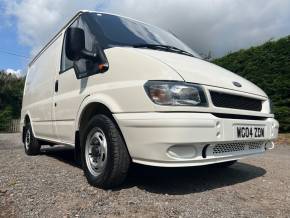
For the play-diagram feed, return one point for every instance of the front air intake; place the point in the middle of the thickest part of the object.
(230, 148)
(225, 100)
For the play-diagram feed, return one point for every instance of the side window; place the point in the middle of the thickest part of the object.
(86, 66)
(65, 62)
(91, 45)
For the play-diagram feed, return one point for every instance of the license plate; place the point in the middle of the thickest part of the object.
(249, 132)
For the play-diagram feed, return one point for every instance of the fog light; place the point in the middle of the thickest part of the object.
(269, 145)
(182, 151)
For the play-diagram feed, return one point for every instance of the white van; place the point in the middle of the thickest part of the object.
(123, 91)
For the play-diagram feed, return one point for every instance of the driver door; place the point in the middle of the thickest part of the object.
(69, 91)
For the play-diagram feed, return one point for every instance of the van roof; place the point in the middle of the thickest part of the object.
(65, 26)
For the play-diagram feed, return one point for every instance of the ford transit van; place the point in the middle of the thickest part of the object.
(121, 91)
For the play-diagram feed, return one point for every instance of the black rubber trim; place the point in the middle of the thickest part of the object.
(238, 116)
(204, 150)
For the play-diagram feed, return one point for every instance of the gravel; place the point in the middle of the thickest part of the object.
(52, 185)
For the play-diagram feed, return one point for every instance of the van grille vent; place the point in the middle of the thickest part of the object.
(235, 101)
(236, 147)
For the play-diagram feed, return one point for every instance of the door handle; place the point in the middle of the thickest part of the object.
(56, 86)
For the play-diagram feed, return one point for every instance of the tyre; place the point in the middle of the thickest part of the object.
(31, 145)
(104, 155)
(226, 164)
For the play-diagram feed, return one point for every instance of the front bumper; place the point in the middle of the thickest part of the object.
(189, 139)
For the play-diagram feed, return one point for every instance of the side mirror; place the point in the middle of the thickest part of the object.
(75, 48)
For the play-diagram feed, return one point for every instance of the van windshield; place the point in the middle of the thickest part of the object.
(116, 31)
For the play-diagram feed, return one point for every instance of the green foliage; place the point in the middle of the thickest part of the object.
(11, 90)
(268, 66)
(5, 117)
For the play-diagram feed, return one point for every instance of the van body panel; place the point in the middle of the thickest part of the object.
(112, 88)
(122, 80)
(39, 90)
(66, 103)
(199, 71)
(150, 136)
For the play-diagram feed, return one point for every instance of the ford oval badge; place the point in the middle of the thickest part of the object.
(237, 84)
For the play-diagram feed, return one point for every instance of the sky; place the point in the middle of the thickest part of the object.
(216, 26)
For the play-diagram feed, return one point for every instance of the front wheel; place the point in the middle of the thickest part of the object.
(31, 145)
(104, 155)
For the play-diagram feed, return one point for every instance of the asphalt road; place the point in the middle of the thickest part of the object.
(52, 185)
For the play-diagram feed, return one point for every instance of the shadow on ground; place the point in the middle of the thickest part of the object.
(174, 181)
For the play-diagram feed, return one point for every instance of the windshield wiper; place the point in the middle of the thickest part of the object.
(164, 48)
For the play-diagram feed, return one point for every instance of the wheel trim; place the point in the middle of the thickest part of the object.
(27, 139)
(96, 151)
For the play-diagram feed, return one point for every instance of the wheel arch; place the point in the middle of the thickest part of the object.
(86, 112)
(90, 110)
(26, 120)
(97, 103)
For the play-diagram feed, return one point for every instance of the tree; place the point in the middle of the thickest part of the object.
(11, 90)
(268, 66)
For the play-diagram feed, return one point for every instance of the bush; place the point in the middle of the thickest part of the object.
(5, 117)
(268, 66)
(11, 90)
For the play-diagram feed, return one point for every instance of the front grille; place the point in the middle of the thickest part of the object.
(236, 147)
(225, 148)
(235, 101)
(255, 145)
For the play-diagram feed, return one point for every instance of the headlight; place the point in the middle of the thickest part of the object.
(175, 93)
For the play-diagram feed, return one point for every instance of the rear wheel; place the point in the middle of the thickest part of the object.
(104, 155)
(31, 145)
